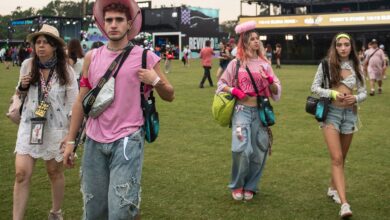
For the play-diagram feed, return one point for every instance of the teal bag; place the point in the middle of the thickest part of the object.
(266, 112)
(152, 122)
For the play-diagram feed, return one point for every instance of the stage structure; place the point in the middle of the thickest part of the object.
(305, 28)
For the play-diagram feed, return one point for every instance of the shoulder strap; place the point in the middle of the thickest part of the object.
(236, 74)
(143, 65)
(325, 71)
(254, 86)
(369, 57)
(121, 59)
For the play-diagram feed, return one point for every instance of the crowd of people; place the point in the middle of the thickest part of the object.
(55, 77)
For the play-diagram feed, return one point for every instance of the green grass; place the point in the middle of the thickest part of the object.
(186, 171)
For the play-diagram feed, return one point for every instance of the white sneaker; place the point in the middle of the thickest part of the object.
(238, 194)
(248, 195)
(332, 193)
(345, 210)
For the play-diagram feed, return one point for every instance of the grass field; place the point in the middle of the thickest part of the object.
(186, 171)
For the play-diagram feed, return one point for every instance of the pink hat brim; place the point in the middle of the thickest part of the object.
(135, 13)
(246, 26)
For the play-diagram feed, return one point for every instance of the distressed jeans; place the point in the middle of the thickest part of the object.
(111, 178)
(249, 148)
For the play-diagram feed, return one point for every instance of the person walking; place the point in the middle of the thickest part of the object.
(342, 121)
(51, 88)
(206, 54)
(278, 55)
(169, 56)
(250, 139)
(375, 63)
(224, 58)
(76, 56)
(114, 147)
(186, 56)
(268, 53)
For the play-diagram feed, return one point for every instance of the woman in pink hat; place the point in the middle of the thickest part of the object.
(251, 140)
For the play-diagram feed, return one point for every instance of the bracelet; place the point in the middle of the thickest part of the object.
(20, 88)
(71, 142)
(154, 83)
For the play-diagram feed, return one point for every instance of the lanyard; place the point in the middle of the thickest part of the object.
(44, 87)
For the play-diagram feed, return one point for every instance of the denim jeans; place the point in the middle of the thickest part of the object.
(249, 148)
(111, 177)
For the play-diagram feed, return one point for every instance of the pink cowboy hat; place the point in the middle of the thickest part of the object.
(135, 14)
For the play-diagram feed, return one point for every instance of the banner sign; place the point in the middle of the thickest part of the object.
(321, 20)
(21, 22)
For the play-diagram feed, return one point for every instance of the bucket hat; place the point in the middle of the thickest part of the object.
(135, 14)
(49, 31)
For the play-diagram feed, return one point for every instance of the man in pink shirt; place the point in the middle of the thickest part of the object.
(206, 54)
(113, 151)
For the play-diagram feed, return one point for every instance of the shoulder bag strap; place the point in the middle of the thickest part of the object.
(326, 75)
(236, 75)
(254, 86)
(121, 59)
(143, 65)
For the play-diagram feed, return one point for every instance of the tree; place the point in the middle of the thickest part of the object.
(228, 27)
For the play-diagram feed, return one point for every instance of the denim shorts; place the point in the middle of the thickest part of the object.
(344, 120)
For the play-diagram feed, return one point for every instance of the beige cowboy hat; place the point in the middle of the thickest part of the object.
(135, 14)
(49, 31)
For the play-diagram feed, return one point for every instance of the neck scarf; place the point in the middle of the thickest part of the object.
(48, 64)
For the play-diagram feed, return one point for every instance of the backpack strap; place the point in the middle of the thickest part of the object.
(143, 65)
(325, 71)
(238, 64)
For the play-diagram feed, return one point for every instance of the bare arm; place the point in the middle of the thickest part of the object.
(77, 117)
(163, 86)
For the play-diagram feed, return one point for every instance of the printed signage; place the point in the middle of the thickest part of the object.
(321, 20)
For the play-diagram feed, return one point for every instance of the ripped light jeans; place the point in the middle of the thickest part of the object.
(111, 178)
(249, 148)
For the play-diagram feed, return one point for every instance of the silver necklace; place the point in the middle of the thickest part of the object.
(114, 49)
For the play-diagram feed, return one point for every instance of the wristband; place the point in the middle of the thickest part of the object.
(333, 94)
(154, 83)
(270, 79)
(20, 88)
(71, 142)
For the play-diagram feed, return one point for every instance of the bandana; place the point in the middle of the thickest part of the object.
(48, 64)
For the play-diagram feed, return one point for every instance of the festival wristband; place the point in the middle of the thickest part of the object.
(20, 88)
(333, 94)
(154, 83)
(270, 79)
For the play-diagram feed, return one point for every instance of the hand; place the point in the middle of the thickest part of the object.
(25, 81)
(268, 77)
(340, 97)
(349, 99)
(147, 76)
(238, 93)
(69, 156)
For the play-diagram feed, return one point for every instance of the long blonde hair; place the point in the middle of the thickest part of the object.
(243, 50)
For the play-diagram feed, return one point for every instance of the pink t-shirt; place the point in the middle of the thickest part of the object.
(124, 115)
(206, 54)
(256, 66)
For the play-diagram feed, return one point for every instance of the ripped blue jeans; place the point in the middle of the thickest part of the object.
(249, 148)
(111, 177)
